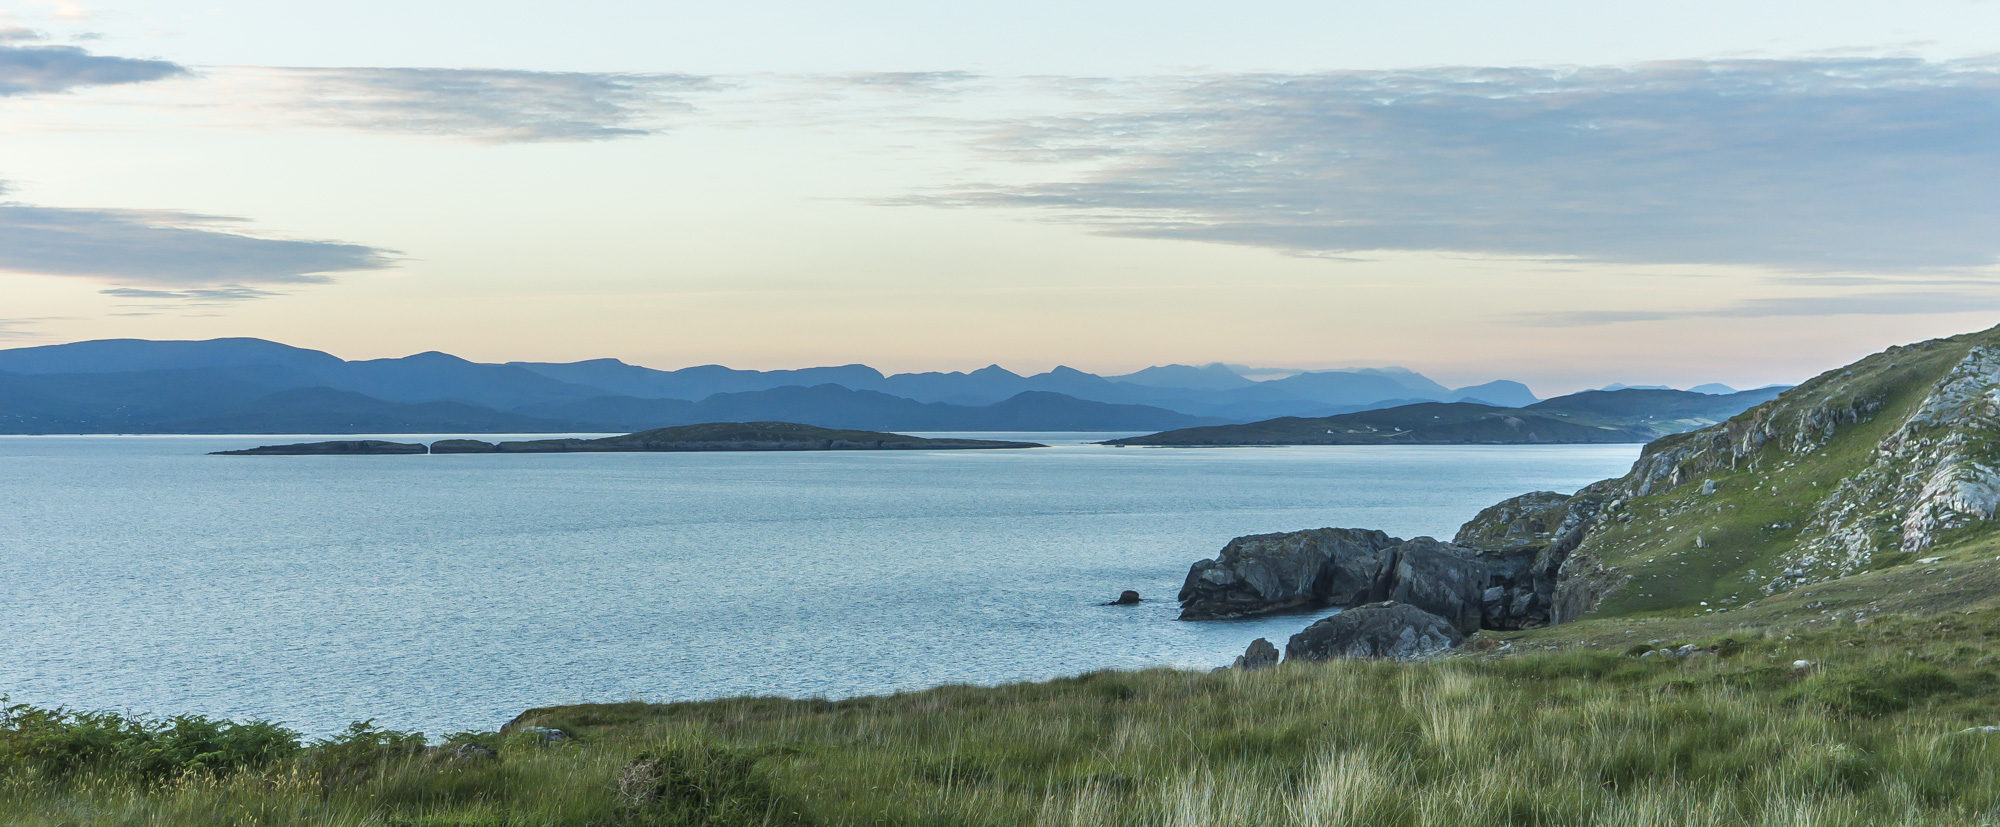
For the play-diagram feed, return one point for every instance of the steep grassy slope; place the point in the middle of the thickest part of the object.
(1875, 465)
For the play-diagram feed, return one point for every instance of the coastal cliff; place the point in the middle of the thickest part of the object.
(1864, 468)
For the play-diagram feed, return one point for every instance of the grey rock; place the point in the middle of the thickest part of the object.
(1527, 520)
(1474, 589)
(1266, 573)
(546, 734)
(470, 752)
(1377, 630)
(1441, 579)
(1261, 655)
(1127, 597)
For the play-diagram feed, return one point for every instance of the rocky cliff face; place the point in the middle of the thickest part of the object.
(1861, 467)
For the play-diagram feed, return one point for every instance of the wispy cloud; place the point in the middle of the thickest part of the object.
(200, 296)
(494, 105)
(1868, 304)
(25, 327)
(173, 251)
(1824, 165)
(43, 69)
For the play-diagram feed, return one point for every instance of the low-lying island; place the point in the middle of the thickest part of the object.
(713, 436)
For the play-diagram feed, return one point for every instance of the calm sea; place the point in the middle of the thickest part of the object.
(443, 593)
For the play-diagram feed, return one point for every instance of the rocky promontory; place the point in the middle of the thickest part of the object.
(1490, 586)
(1511, 567)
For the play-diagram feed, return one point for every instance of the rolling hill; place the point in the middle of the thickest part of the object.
(1588, 417)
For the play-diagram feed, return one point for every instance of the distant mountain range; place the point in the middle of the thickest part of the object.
(258, 386)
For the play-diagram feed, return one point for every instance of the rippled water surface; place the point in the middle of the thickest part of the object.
(451, 592)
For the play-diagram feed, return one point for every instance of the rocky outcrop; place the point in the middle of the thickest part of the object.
(1127, 597)
(341, 447)
(1266, 573)
(1260, 655)
(1471, 588)
(1527, 520)
(1445, 580)
(1376, 630)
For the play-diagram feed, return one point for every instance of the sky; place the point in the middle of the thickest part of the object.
(1563, 193)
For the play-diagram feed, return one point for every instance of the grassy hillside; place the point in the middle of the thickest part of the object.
(1870, 733)
(1814, 485)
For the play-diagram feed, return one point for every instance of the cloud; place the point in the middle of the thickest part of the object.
(1869, 304)
(196, 297)
(25, 327)
(1823, 165)
(173, 251)
(920, 83)
(33, 70)
(494, 105)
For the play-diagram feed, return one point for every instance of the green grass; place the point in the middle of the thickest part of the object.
(1870, 734)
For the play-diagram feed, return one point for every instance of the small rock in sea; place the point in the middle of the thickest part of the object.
(1801, 664)
(1261, 655)
(1127, 597)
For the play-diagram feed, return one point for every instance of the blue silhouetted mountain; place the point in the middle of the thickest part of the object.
(425, 377)
(139, 385)
(329, 411)
(433, 376)
(1503, 393)
(697, 382)
(130, 355)
(833, 406)
(1211, 377)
